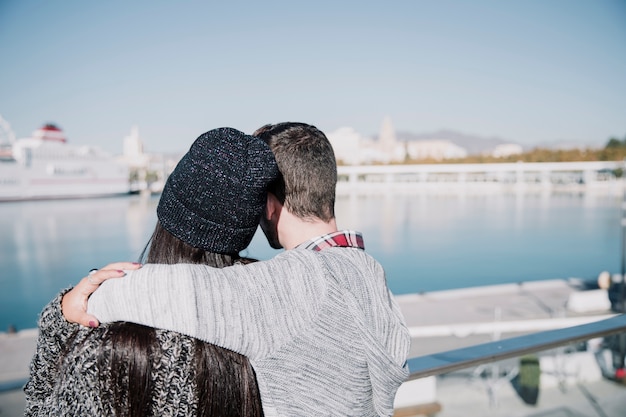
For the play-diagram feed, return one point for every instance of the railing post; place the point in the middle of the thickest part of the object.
(622, 298)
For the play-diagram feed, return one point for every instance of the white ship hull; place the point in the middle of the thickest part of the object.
(46, 167)
(47, 180)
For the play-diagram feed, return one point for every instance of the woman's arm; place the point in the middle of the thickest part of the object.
(54, 332)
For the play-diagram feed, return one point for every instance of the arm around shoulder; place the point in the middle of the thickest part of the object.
(247, 308)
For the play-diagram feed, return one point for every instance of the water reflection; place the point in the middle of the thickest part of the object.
(48, 245)
(425, 241)
(437, 241)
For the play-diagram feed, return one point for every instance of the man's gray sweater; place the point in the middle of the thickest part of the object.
(321, 329)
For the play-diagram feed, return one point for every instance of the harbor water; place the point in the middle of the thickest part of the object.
(425, 241)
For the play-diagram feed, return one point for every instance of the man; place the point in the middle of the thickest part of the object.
(317, 322)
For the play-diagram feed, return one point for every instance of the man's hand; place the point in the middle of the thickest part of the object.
(74, 303)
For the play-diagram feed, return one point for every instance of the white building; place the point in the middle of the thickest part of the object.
(133, 154)
(507, 149)
(351, 148)
(435, 149)
(389, 148)
(346, 144)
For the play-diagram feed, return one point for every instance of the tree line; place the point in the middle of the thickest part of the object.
(614, 150)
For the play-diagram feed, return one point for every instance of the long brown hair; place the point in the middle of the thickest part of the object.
(225, 381)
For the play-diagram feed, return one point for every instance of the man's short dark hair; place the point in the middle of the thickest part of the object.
(307, 163)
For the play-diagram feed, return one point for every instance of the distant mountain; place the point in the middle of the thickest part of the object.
(476, 145)
(569, 144)
(473, 144)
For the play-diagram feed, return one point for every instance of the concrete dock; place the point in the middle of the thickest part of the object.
(571, 383)
(446, 320)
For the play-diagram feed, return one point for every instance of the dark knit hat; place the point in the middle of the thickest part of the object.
(216, 194)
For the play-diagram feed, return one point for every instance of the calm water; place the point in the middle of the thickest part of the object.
(425, 242)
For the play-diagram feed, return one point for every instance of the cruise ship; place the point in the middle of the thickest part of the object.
(45, 166)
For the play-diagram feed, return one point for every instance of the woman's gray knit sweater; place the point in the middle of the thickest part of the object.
(66, 371)
(321, 329)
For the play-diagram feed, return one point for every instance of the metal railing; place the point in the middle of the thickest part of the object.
(458, 359)
(521, 172)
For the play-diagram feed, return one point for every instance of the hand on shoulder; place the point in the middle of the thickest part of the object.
(74, 302)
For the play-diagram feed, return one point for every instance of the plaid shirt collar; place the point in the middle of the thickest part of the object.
(342, 238)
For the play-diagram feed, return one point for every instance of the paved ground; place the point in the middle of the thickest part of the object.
(453, 319)
(461, 396)
(15, 353)
(446, 320)
(442, 321)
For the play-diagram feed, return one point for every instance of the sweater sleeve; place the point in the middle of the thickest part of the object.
(246, 308)
(54, 333)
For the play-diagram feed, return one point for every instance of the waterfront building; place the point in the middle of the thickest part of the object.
(148, 171)
(345, 142)
(507, 149)
(351, 148)
(390, 149)
(435, 149)
(133, 154)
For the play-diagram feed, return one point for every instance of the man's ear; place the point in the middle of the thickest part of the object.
(269, 222)
(272, 207)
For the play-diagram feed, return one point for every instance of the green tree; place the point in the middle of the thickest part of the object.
(616, 143)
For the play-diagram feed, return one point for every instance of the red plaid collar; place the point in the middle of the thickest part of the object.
(342, 238)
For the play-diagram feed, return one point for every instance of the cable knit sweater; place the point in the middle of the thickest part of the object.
(70, 385)
(321, 329)
(69, 371)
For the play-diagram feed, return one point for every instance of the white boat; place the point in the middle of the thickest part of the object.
(45, 166)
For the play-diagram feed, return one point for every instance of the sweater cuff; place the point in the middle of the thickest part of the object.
(51, 317)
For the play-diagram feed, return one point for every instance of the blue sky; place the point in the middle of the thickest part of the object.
(526, 71)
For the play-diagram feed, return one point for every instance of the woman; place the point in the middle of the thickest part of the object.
(208, 213)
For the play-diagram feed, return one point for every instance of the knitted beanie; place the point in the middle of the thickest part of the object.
(215, 196)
